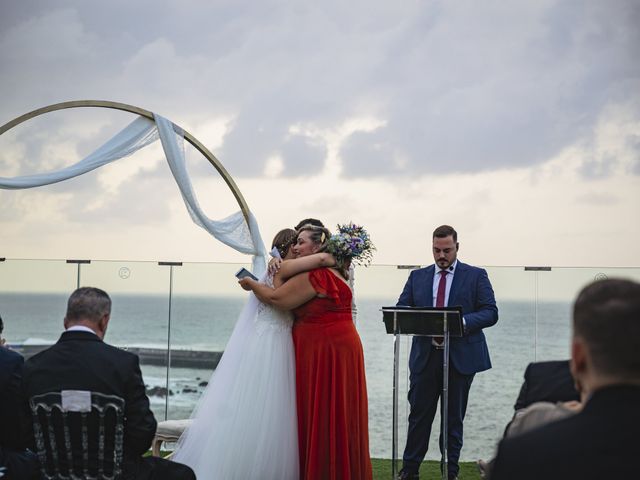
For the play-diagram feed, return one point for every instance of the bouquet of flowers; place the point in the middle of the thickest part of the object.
(352, 242)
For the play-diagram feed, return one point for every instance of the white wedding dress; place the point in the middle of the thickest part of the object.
(245, 425)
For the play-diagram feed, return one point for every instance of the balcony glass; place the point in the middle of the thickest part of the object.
(179, 318)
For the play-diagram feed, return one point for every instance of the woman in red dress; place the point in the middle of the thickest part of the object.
(331, 388)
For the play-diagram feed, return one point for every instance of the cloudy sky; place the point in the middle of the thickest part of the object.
(516, 122)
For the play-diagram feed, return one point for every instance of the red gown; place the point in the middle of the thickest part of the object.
(331, 388)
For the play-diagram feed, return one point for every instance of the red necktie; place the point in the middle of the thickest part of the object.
(442, 288)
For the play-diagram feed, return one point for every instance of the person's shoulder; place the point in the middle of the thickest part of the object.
(120, 353)
(10, 362)
(422, 271)
(537, 415)
(42, 355)
(326, 274)
(461, 266)
(526, 448)
(329, 272)
(548, 437)
(9, 357)
(471, 271)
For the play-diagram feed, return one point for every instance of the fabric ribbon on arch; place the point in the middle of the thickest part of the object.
(232, 230)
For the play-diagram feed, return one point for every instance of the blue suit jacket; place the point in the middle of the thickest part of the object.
(470, 290)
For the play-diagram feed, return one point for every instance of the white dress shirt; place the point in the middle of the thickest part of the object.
(449, 278)
(80, 328)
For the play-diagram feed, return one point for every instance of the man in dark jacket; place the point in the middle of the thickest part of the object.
(80, 360)
(14, 458)
(602, 440)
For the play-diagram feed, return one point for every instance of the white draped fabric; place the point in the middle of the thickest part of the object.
(232, 231)
(138, 134)
(245, 425)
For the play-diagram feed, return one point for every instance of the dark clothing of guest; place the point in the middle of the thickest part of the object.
(547, 382)
(599, 442)
(18, 462)
(80, 360)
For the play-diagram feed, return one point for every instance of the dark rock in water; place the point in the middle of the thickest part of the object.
(157, 392)
(189, 390)
(203, 384)
(197, 378)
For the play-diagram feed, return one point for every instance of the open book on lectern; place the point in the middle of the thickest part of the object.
(427, 321)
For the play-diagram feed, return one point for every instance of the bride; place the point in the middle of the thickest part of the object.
(245, 424)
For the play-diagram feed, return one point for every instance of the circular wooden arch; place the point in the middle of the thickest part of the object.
(143, 113)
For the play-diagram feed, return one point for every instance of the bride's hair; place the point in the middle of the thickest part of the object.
(318, 235)
(283, 240)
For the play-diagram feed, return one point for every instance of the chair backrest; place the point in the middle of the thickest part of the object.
(79, 434)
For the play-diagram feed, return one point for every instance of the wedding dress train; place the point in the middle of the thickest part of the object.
(245, 424)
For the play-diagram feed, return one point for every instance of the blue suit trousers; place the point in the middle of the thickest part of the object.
(424, 396)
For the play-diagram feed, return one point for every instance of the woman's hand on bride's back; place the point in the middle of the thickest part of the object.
(274, 265)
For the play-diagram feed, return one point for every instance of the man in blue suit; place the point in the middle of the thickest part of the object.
(448, 282)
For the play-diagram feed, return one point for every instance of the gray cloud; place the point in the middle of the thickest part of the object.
(598, 199)
(135, 202)
(507, 89)
(634, 144)
(598, 169)
(460, 86)
(302, 156)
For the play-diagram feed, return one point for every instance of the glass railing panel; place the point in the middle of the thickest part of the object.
(139, 317)
(511, 348)
(33, 301)
(375, 287)
(206, 303)
(203, 301)
(557, 290)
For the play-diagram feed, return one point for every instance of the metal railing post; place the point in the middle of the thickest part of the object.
(170, 265)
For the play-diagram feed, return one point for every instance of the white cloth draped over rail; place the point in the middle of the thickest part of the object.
(232, 231)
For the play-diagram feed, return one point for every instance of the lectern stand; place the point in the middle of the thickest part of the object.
(429, 322)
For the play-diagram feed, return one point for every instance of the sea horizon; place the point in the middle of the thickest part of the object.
(204, 323)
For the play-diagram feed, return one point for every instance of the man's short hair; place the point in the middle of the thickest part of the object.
(606, 315)
(88, 303)
(309, 221)
(444, 231)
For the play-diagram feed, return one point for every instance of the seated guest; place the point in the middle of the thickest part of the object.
(532, 416)
(17, 462)
(601, 440)
(80, 360)
(549, 381)
(548, 393)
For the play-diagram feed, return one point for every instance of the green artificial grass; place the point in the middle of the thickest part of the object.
(429, 470)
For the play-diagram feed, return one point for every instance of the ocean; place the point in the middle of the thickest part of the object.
(205, 323)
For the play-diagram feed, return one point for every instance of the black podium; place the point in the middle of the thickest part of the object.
(443, 322)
